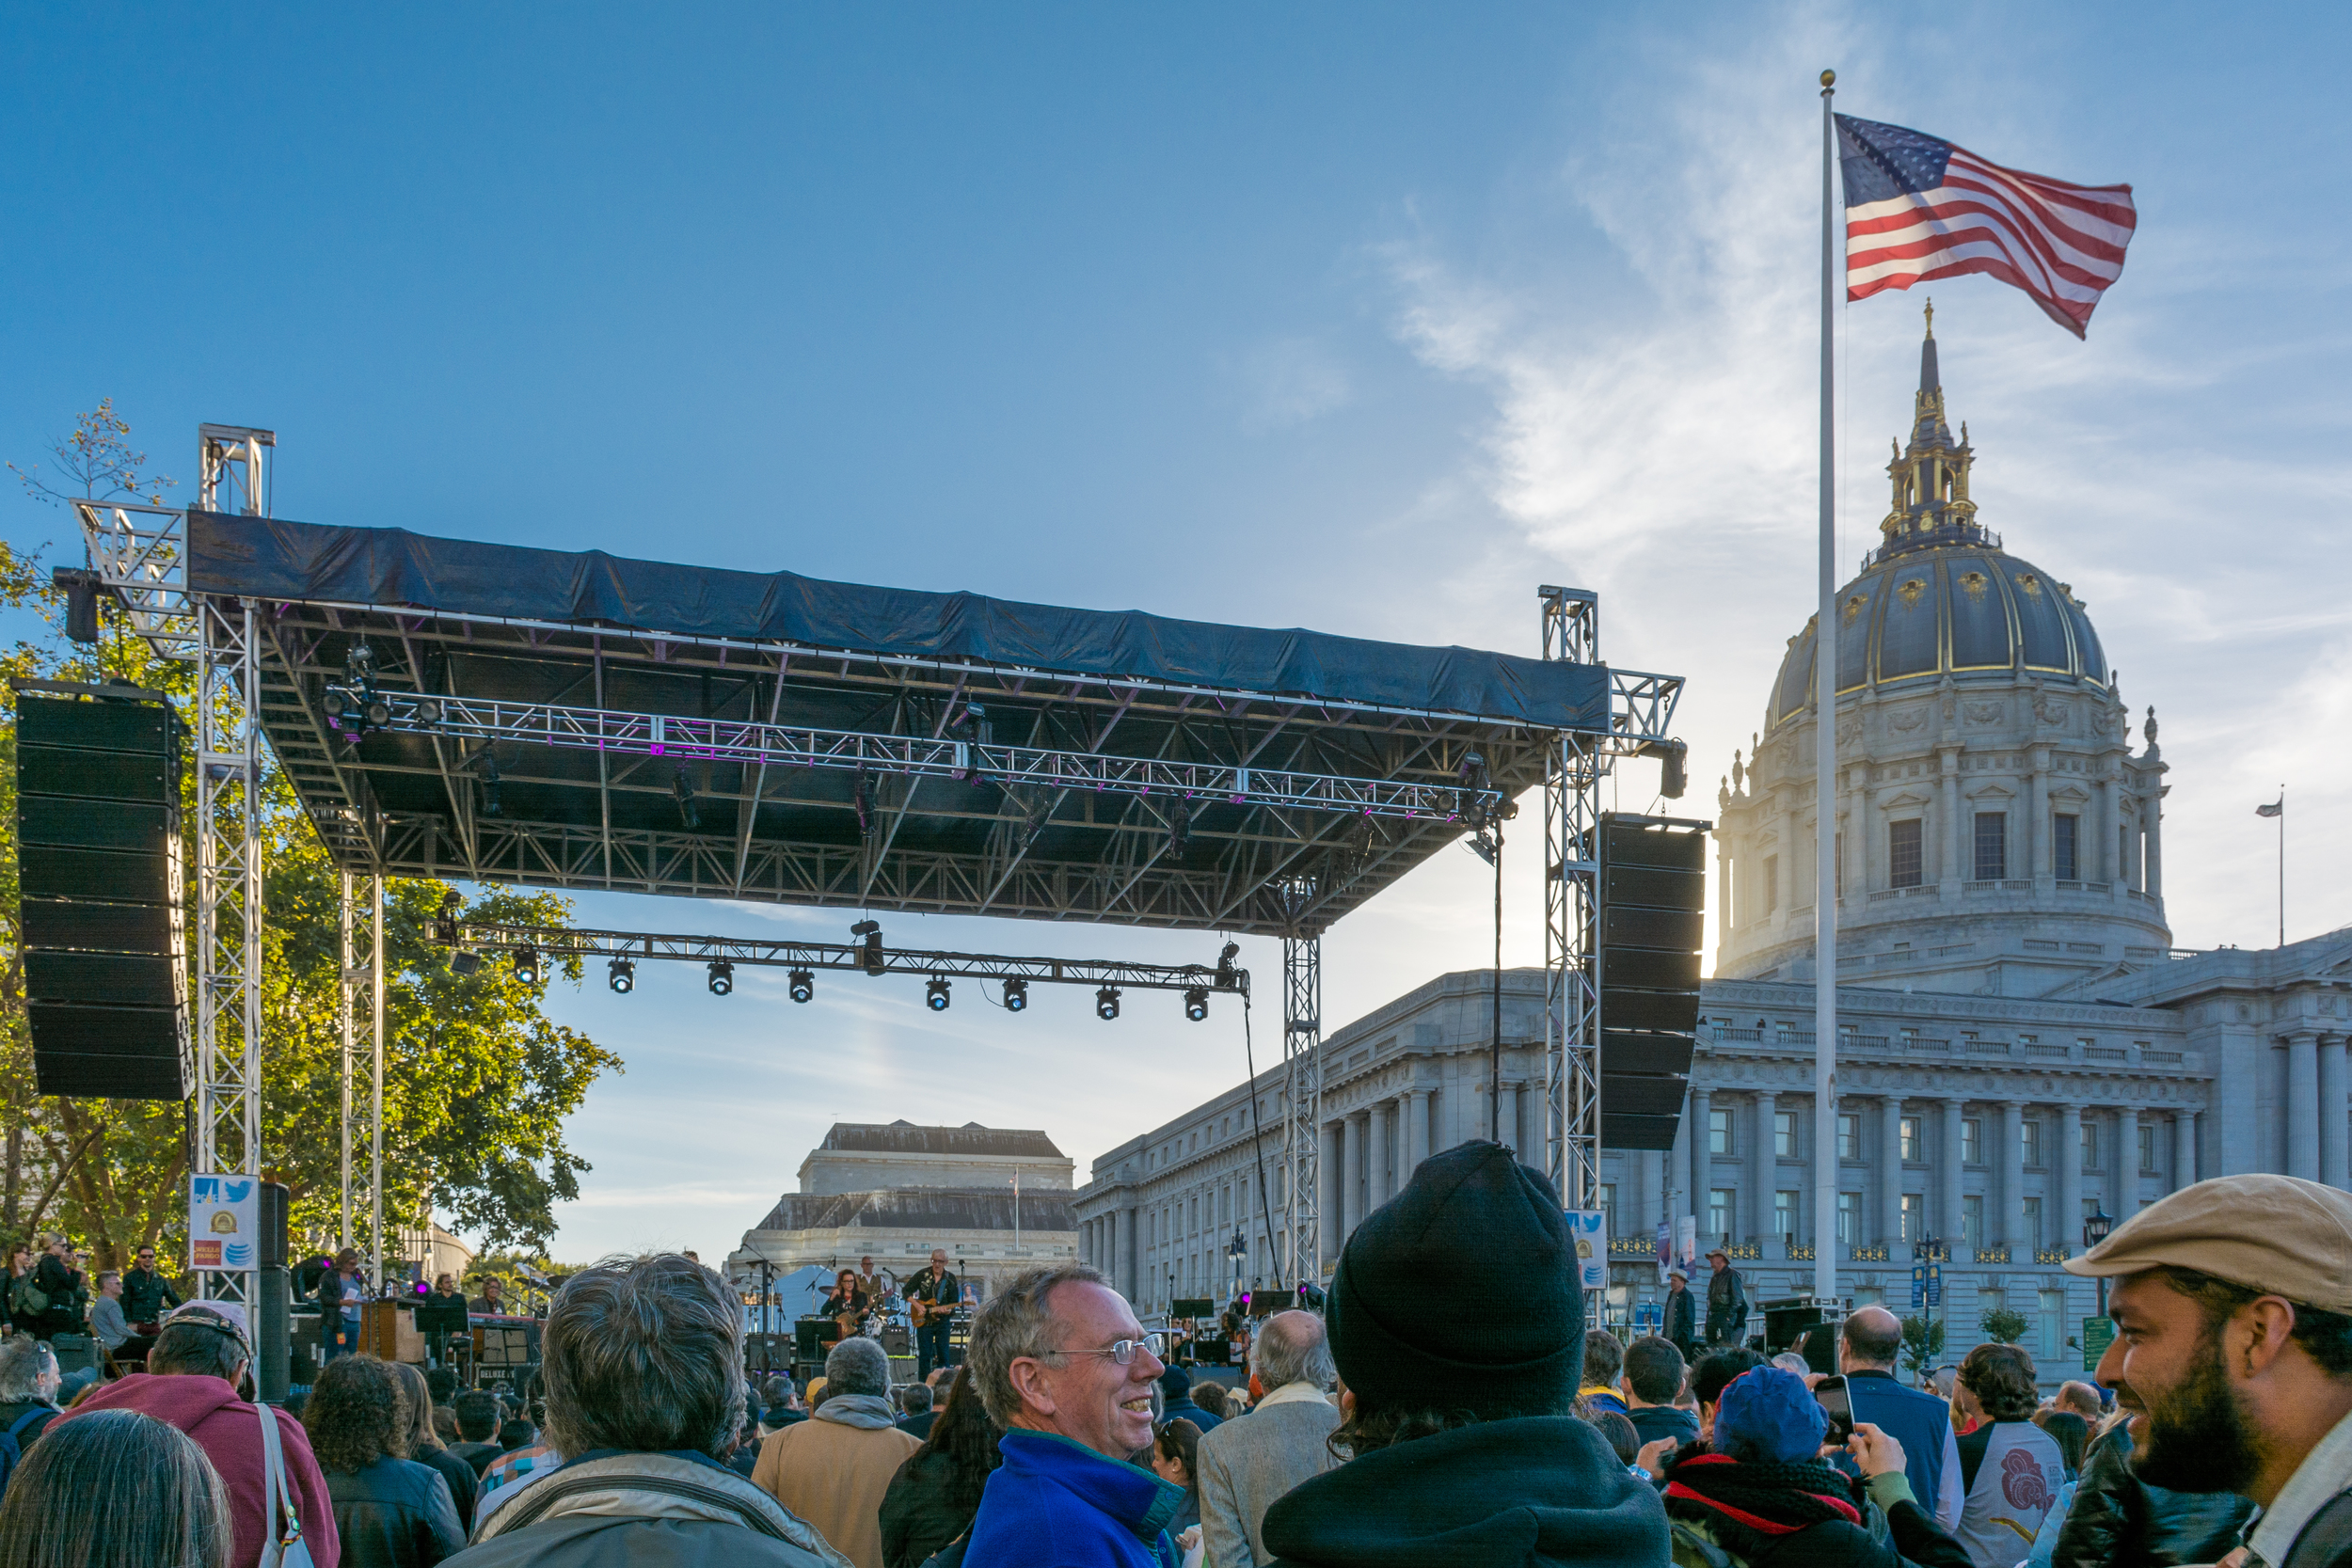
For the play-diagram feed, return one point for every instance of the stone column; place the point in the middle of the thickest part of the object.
(1949, 1186)
(1765, 1167)
(2101, 863)
(2335, 1131)
(1416, 1129)
(2008, 1220)
(2184, 1149)
(1330, 1191)
(2038, 809)
(1891, 1173)
(2155, 839)
(2134, 837)
(1377, 1173)
(1870, 870)
(1351, 1174)
(2123, 1165)
(1702, 1176)
(1953, 869)
(2068, 1230)
(2302, 1105)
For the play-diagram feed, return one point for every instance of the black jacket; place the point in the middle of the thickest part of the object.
(1726, 1308)
(145, 1296)
(2119, 1519)
(1531, 1493)
(11, 1413)
(1653, 1421)
(917, 1517)
(62, 1283)
(1682, 1320)
(464, 1488)
(395, 1513)
(1899, 1535)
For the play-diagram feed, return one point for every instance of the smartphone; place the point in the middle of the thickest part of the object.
(1831, 1394)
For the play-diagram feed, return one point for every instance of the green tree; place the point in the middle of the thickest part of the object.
(1923, 1343)
(2003, 1325)
(478, 1078)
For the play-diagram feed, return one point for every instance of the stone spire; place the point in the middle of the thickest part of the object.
(1931, 475)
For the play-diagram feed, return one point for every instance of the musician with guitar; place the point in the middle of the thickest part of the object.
(931, 1299)
(846, 1303)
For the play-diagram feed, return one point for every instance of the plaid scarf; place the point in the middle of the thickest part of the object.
(1775, 1499)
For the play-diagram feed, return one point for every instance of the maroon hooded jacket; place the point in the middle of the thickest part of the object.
(230, 1431)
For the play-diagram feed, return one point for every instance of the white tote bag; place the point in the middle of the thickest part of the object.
(282, 1545)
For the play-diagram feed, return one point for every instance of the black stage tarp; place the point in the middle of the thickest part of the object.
(280, 560)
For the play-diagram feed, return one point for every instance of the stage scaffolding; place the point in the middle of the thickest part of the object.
(447, 741)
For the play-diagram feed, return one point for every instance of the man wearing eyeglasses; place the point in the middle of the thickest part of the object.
(1063, 1367)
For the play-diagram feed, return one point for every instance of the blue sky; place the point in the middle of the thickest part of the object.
(1363, 318)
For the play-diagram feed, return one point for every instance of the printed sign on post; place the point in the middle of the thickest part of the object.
(1687, 1240)
(2098, 1334)
(1589, 1230)
(224, 1220)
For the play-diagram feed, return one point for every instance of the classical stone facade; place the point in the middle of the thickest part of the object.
(2021, 1045)
(894, 1191)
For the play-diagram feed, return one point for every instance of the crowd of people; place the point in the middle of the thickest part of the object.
(1383, 1431)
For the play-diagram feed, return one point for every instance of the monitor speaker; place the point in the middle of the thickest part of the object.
(98, 867)
(1652, 901)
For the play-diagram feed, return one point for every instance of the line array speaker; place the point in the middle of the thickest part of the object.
(1653, 900)
(98, 863)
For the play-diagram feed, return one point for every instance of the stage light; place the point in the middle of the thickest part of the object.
(1226, 978)
(464, 961)
(722, 978)
(685, 793)
(1486, 847)
(1106, 1003)
(872, 931)
(1179, 829)
(527, 965)
(489, 784)
(1016, 994)
(378, 713)
(1196, 1004)
(620, 976)
(803, 985)
(936, 996)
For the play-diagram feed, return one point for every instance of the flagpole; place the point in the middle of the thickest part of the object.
(1825, 889)
(2282, 865)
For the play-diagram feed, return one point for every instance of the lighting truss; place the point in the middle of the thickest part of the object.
(556, 941)
(1301, 1244)
(363, 1036)
(687, 740)
(1574, 765)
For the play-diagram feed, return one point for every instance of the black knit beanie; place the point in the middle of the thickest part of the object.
(1406, 1332)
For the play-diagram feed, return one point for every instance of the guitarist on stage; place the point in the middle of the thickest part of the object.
(846, 1305)
(931, 1299)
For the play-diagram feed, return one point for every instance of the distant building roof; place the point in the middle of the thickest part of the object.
(923, 1209)
(904, 1137)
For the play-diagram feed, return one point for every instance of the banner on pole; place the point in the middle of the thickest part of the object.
(1687, 1240)
(1589, 1230)
(224, 1220)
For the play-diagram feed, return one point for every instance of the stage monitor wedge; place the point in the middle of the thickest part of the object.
(1652, 881)
(98, 775)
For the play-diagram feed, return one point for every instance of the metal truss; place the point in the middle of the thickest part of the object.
(1574, 765)
(556, 941)
(688, 740)
(138, 550)
(1302, 1092)
(363, 911)
(228, 852)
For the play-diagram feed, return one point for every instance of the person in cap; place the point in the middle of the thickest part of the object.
(1177, 1403)
(192, 1381)
(1727, 1302)
(2232, 1310)
(1681, 1324)
(1762, 1490)
(1464, 1448)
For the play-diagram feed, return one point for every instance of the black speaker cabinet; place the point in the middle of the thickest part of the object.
(99, 863)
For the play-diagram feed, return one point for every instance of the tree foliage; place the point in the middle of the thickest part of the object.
(2003, 1325)
(1923, 1342)
(478, 1080)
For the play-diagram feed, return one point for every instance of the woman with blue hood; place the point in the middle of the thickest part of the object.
(1761, 1493)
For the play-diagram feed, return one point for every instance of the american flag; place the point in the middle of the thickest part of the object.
(1918, 208)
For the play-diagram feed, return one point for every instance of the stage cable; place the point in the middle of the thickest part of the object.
(1256, 1140)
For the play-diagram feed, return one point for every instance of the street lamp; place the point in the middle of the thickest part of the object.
(2095, 1227)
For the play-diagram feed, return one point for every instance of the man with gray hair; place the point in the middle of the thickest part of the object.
(833, 1468)
(29, 1388)
(1062, 1365)
(643, 1363)
(1246, 1464)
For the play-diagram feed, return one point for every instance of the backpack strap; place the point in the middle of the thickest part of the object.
(16, 1427)
(2326, 1538)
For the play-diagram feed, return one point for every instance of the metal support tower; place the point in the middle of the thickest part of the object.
(229, 854)
(363, 1029)
(1302, 1088)
(1573, 769)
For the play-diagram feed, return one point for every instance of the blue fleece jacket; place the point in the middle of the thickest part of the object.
(1056, 1504)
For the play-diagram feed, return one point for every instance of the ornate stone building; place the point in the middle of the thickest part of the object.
(2022, 1045)
(894, 1191)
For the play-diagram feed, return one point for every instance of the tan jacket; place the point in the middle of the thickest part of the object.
(834, 1476)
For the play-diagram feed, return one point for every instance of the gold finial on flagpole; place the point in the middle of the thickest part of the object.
(1930, 316)
(1829, 78)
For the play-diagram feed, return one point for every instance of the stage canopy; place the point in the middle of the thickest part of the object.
(585, 720)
